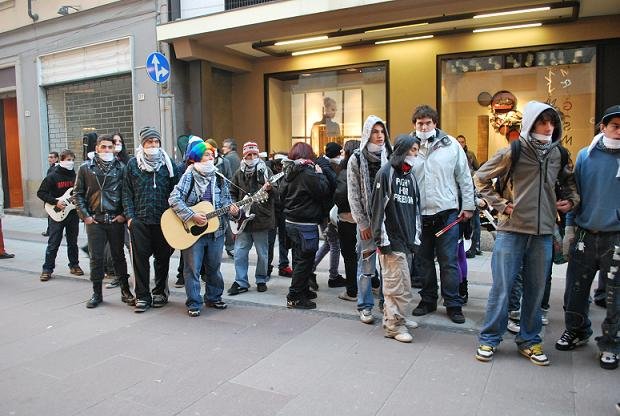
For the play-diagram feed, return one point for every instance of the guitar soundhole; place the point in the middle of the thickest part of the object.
(198, 229)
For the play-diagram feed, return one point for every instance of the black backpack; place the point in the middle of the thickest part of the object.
(515, 153)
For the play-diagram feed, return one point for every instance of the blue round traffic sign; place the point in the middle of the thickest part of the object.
(158, 67)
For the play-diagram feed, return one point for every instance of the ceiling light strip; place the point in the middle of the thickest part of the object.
(289, 42)
(382, 42)
(319, 50)
(395, 27)
(536, 9)
(493, 29)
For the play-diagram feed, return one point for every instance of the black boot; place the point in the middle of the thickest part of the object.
(312, 282)
(463, 291)
(126, 295)
(97, 296)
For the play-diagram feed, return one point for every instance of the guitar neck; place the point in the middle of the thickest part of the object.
(224, 210)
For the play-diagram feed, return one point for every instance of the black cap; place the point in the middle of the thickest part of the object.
(611, 112)
(332, 149)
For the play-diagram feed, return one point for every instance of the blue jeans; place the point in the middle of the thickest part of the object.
(597, 255)
(445, 247)
(514, 303)
(243, 244)
(206, 250)
(56, 229)
(331, 245)
(366, 268)
(512, 253)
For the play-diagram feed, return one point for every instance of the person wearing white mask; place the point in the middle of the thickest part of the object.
(200, 182)
(253, 175)
(443, 174)
(362, 168)
(592, 242)
(98, 195)
(148, 180)
(55, 185)
(527, 208)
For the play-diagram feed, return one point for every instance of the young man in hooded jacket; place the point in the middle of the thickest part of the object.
(527, 210)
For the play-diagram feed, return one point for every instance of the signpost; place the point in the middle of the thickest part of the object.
(158, 67)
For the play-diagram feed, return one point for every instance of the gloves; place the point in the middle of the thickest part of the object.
(569, 238)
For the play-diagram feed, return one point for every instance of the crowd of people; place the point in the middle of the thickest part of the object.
(390, 209)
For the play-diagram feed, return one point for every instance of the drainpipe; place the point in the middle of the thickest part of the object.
(33, 16)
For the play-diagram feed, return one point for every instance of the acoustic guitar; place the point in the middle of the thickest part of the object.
(182, 235)
(58, 214)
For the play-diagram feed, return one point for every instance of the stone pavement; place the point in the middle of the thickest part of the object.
(257, 357)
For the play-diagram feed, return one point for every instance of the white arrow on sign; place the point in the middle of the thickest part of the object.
(159, 72)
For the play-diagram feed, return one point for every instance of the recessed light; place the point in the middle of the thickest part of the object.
(536, 9)
(492, 29)
(319, 50)
(382, 42)
(289, 42)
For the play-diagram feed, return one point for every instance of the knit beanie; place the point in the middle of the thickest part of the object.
(250, 147)
(149, 133)
(197, 150)
(332, 149)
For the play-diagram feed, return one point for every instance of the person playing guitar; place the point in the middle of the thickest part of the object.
(200, 183)
(58, 182)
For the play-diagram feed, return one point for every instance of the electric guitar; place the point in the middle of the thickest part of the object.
(237, 226)
(182, 235)
(58, 214)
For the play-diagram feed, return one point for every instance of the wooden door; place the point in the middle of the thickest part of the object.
(11, 162)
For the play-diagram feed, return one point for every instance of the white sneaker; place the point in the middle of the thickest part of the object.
(411, 324)
(366, 316)
(545, 318)
(399, 334)
(514, 315)
(513, 326)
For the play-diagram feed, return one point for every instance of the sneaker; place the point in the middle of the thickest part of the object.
(485, 353)
(608, 360)
(515, 315)
(159, 301)
(455, 313)
(513, 326)
(545, 317)
(93, 301)
(6, 255)
(77, 270)
(569, 341)
(470, 254)
(193, 312)
(311, 294)
(345, 296)
(285, 272)
(366, 316)
(261, 287)
(424, 308)
(220, 304)
(399, 334)
(235, 289)
(337, 281)
(114, 283)
(45, 276)
(618, 407)
(141, 306)
(300, 304)
(45, 234)
(463, 292)
(535, 354)
(312, 282)
(411, 324)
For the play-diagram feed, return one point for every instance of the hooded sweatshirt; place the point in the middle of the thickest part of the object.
(532, 188)
(302, 192)
(361, 171)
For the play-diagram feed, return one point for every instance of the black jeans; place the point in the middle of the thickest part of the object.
(347, 232)
(304, 240)
(56, 229)
(98, 235)
(147, 240)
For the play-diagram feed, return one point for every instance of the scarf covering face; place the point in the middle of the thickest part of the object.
(542, 148)
(104, 165)
(203, 175)
(152, 163)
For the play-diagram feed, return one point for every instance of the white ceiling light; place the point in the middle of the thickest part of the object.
(395, 27)
(537, 9)
(492, 29)
(289, 42)
(309, 51)
(381, 42)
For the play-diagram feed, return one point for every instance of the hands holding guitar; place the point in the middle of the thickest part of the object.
(200, 218)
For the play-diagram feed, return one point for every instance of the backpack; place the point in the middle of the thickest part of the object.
(515, 153)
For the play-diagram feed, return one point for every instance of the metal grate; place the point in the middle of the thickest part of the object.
(235, 4)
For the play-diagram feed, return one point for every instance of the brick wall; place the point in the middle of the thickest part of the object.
(102, 105)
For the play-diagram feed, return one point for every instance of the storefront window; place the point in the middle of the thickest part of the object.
(323, 106)
(482, 97)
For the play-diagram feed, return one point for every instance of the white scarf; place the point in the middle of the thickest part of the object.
(153, 166)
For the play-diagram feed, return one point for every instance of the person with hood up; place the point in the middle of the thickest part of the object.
(396, 228)
(303, 190)
(527, 210)
(443, 175)
(362, 168)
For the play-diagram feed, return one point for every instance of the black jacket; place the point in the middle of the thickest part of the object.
(264, 213)
(55, 184)
(341, 197)
(303, 192)
(97, 193)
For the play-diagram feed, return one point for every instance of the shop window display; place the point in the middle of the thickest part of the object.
(322, 106)
(482, 96)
